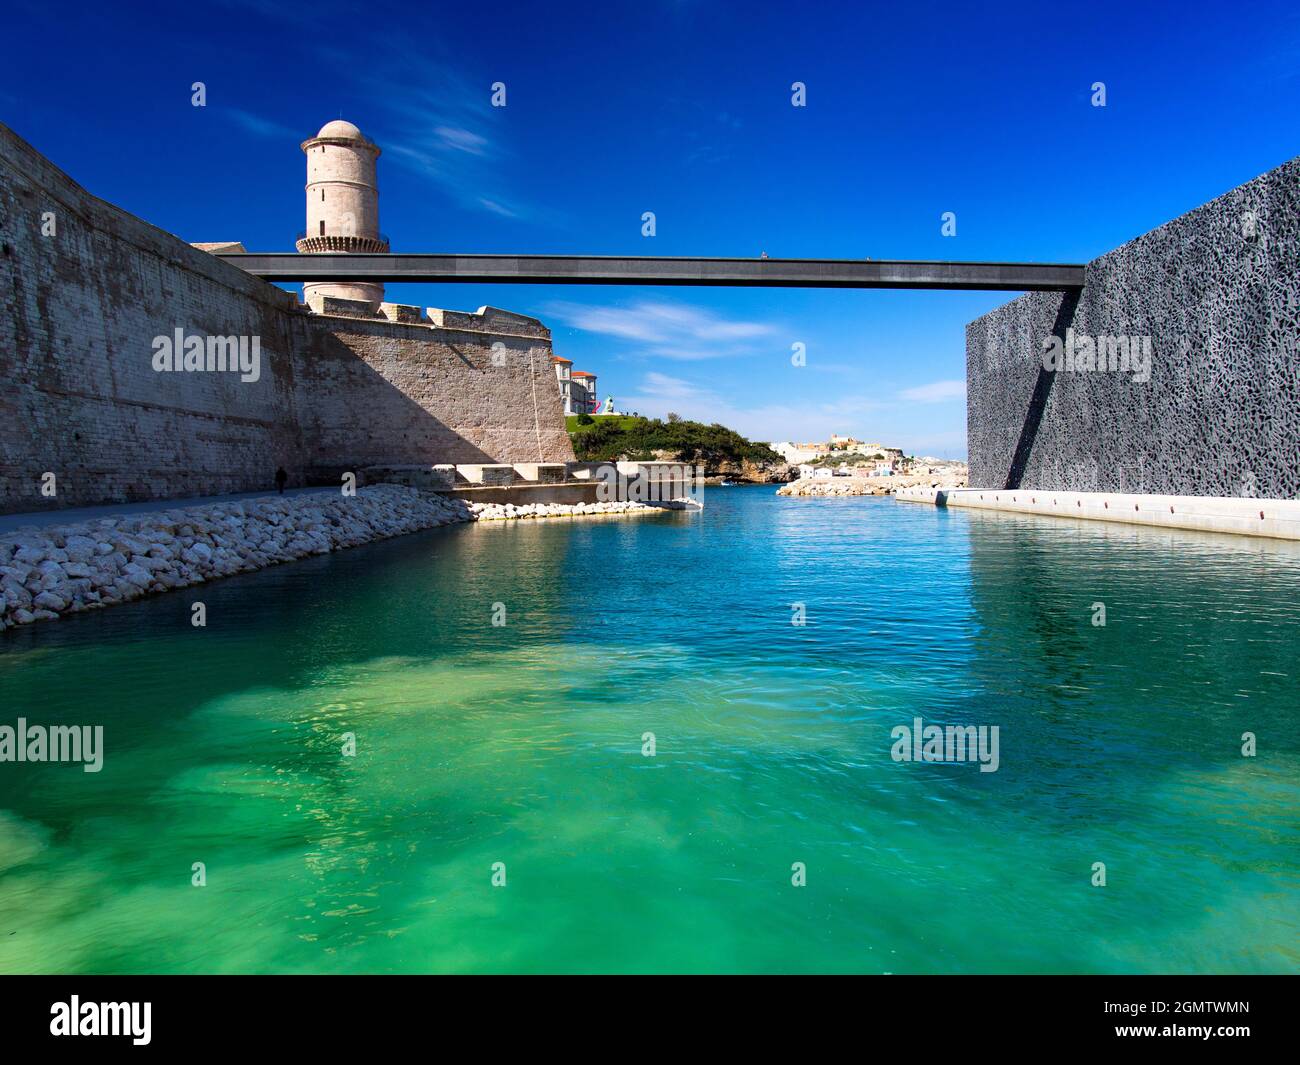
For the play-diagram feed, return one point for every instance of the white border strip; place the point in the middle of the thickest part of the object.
(1276, 518)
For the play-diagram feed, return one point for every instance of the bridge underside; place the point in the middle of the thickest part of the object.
(648, 270)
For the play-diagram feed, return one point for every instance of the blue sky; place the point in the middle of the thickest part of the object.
(683, 108)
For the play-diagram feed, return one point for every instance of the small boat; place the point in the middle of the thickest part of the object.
(727, 484)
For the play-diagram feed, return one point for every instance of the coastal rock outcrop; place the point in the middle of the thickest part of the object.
(744, 471)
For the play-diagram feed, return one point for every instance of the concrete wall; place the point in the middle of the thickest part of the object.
(1217, 291)
(82, 400)
(570, 494)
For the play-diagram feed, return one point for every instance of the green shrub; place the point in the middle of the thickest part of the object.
(695, 442)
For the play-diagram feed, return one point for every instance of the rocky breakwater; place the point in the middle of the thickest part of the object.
(506, 511)
(49, 571)
(864, 486)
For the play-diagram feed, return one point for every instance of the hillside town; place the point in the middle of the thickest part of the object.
(844, 465)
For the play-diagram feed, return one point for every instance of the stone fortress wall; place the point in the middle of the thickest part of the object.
(1217, 291)
(338, 390)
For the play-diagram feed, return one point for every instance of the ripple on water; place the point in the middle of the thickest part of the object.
(523, 744)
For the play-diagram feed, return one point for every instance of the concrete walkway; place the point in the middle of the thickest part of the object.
(1245, 516)
(71, 515)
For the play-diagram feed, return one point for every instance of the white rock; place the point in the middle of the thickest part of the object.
(50, 601)
(80, 548)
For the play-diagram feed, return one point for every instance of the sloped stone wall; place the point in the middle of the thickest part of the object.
(88, 287)
(378, 393)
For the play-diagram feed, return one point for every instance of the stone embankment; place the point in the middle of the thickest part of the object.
(49, 571)
(865, 486)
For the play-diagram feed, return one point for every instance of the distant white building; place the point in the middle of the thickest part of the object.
(577, 387)
(798, 454)
(584, 392)
(564, 375)
(795, 453)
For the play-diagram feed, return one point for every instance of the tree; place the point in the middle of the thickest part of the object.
(713, 445)
(673, 419)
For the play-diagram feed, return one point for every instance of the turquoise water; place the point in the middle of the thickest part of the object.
(522, 744)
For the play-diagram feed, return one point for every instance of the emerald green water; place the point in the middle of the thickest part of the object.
(522, 744)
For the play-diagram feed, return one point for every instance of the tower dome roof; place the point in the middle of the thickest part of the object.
(340, 128)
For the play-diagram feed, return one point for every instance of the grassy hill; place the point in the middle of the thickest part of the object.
(623, 421)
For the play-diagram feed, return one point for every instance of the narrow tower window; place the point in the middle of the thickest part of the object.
(322, 227)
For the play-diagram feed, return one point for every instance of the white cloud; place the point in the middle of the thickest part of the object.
(496, 208)
(936, 392)
(805, 407)
(435, 118)
(659, 393)
(462, 140)
(419, 99)
(262, 127)
(669, 330)
(664, 387)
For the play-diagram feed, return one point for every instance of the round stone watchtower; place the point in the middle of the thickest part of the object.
(342, 206)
